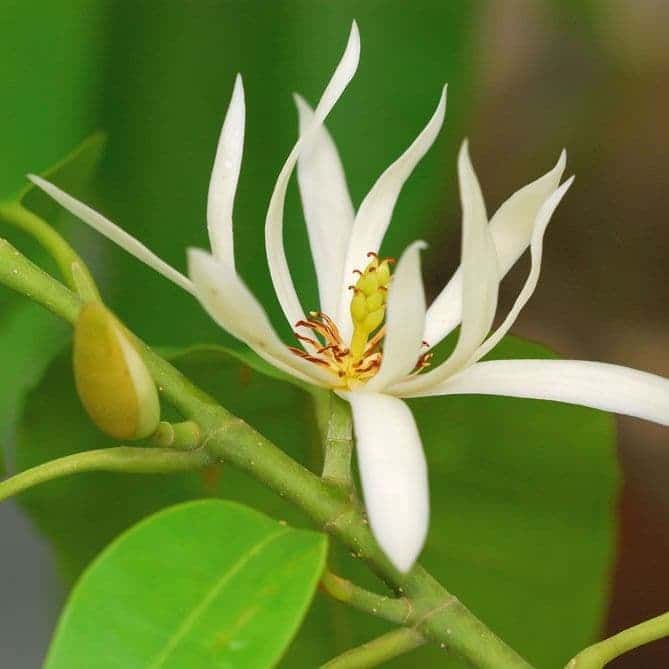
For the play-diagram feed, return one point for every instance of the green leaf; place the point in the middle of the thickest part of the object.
(201, 585)
(71, 174)
(51, 61)
(30, 337)
(49, 56)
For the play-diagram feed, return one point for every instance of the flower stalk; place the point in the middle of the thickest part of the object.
(124, 459)
(184, 436)
(397, 610)
(338, 445)
(378, 651)
(600, 654)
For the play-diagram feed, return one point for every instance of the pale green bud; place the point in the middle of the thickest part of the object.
(112, 380)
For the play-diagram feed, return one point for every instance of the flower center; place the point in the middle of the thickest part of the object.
(357, 362)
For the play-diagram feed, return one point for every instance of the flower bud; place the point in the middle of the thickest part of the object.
(112, 381)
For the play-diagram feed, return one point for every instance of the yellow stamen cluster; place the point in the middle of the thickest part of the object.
(358, 362)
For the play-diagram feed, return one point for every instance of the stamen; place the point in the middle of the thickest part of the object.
(353, 363)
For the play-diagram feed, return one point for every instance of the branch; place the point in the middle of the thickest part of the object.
(396, 610)
(600, 654)
(119, 459)
(440, 616)
(380, 650)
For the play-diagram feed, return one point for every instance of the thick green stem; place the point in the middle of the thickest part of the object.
(23, 276)
(439, 616)
(338, 446)
(397, 610)
(378, 651)
(600, 654)
(120, 459)
(71, 266)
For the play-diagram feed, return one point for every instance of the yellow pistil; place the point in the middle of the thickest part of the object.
(358, 362)
(368, 305)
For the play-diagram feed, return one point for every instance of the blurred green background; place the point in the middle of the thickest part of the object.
(525, 79)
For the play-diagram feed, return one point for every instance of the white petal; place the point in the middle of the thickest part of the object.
(327, 206)
(511, 229)
(231, 304)
(536, 251)
(393, 473)
(405, 321)
(224, 177)
(276, 255)
(376, 210)
(110, 230)
(480, 280)
(592, 384)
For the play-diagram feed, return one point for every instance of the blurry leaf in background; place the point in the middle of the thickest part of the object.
(171, 72)
(50, 73)
(522, 494)
(49, 66)
(232, 593)
(71, 173)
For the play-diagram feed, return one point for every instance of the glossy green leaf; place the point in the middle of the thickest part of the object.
(202, 585)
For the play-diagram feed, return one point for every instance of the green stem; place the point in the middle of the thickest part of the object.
(338, 445)
(600, 654)
(182, 436)
(380, 650)
(439, 615)
(119, 459)
(23, 276)
(396, 610)
(71, 266)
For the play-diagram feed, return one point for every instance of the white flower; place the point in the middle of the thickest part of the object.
(343, 346)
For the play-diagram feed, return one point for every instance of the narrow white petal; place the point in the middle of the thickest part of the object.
(376, 210)
(110, 230)
(592, 384)
(276, 255)
(328, 210)
(511, 229)
(393, 473)
(405, 321)
(231, 304)
(224, 177)
(536, 253)
(480, 279)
